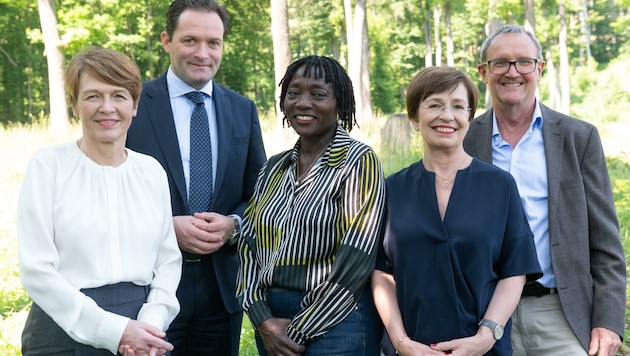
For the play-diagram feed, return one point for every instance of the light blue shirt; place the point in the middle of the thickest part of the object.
(528, 165)
(182, 111)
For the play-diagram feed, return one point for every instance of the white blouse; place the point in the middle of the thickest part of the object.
(83, 225)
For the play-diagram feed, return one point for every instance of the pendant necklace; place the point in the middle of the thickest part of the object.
(446, 183)
(310, 165)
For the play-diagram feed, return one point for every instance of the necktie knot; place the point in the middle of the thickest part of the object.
(196, 97)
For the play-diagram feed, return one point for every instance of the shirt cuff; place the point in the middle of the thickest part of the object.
(110, 332)
(259, 312)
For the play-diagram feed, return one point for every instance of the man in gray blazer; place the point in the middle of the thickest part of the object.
(578, 306)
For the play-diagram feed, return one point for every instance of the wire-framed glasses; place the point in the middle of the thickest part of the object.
(522, 65)
(456, 109)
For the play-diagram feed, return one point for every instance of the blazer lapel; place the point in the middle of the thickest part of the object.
(159, 104)
(479, 143)
(223, 109)
(553, 137)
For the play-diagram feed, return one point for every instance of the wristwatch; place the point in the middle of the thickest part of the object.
(497, 329)
(236, 233)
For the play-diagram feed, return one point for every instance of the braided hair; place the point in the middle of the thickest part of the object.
(334, 74)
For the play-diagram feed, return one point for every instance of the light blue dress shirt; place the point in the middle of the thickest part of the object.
(182, 110)
(528, 165)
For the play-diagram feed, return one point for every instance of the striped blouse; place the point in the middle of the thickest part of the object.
(319, 236)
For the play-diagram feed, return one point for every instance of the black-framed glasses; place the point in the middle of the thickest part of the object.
(522, 65)
(457, 109)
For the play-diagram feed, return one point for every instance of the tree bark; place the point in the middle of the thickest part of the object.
(359, 57)
(494, 22)
(281, 47)
(530, 15)
(426, 26)
(366, 98)
(436, 35)
(565, 89)
(54, 58)
(450, 44)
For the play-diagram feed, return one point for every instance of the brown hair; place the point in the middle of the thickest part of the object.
(434, 80)
(106, 65)
(178, 6)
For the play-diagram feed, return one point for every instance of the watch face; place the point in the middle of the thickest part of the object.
(498, 332)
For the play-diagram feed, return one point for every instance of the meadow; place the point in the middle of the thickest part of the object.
(395, 143)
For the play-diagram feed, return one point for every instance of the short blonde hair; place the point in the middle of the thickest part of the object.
(106, 65)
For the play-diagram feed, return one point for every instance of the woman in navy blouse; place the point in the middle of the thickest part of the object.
(457, 248)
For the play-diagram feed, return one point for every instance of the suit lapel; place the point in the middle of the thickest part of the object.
(553, 137)
(481, 130)
(223, 109)
(159, 104)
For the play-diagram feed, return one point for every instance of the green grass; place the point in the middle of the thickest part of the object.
(397, 149)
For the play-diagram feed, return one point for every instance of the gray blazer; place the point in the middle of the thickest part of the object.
(586, 252)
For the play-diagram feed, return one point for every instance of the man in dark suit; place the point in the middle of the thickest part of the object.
(578, 306)
(209, 322)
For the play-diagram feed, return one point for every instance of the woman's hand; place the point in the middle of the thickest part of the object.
(476, 345)
(273, 333)
(142, 339)
(408, 347)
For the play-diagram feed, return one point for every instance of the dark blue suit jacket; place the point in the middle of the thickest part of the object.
(241, 155)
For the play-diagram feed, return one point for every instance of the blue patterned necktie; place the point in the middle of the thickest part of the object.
(200, 189)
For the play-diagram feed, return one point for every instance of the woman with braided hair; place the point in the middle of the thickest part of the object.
(311, 230)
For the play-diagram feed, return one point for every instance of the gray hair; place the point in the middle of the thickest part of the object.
(508, 29)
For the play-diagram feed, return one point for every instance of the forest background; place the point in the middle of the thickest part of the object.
(381, 43)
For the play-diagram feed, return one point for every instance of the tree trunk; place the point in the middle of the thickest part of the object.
(565, 90)
(552, 80)
(426, 27)
(54, 58)
(281, 47)
(586, 31)
(148, 36)
(436, 35)
(359, 58)
(450, 44)
(494, 22)
(530, 15)
(366, 99)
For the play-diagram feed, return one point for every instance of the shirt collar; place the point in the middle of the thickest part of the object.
(335, 154)
(177, 87)
(536, 124)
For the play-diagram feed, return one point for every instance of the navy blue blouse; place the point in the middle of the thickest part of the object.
(446, 271)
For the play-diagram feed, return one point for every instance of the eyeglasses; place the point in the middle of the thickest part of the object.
(523, 65)
(437, 109)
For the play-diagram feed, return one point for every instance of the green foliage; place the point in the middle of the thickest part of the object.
(602, 95)
(22, 97)
(247, 64)
(248, 341)
(396, 33)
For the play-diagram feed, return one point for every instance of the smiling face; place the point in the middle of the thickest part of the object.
(196, 47)
(512, 88)
(310, 106)
(443, 128)
(105, 111)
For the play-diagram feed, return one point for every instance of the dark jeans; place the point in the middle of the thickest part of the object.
(42, 336)
(357, 335)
